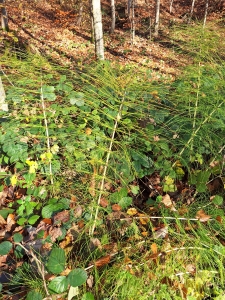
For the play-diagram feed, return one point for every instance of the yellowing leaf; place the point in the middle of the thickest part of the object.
(132, 211)
(13, 180)
(169, 180)
(88, 131)
(154, 248)
(55, 149)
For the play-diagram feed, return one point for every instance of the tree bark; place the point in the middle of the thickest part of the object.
(157, 12)
(192, 9)
(206, 12)
(171, 6)
(98, 31)
(113, 15)
(4, 17)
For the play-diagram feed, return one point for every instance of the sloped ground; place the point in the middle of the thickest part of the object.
(44, 27)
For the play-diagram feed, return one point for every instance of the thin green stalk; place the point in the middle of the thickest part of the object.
(118, 117)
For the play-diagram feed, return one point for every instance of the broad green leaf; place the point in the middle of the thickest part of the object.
(218, 200)
(57, 261)
(88, 296)
(77, 98)
(58, 285)
(134, 189)
(77, 277)
(21, 221)
(48, 210)
(125, 202)
(17, 237)
(32, 220)
(4, 212)
(19, 252)
(5, 247)
(34, 295)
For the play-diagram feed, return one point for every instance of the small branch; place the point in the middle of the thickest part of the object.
(47, 133)
(106, 165)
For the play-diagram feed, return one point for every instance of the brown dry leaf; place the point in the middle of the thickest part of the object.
(3, 260)
(103, 202)
(127, 260)
(10, 222)
(116, 207)
(88, 131)
(55, 233)
(90, 281)
(61, 217)
(2, 221)
(67, 241)
(161, 233)
(191, 269)
(202, 216)
(219, 219)
(132, 211)
(166, 200)
(80, 224)
(156, 138)
(102, 261)
(95, 243)
(78, 211)
(154, 248)
(47, 221)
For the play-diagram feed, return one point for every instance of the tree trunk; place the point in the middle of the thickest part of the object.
(4, 17)
(113, 14)
(81, 7)
(98, 31)
(157, 12)
(133, 22)
(171, 6)
(206, 12)
(192, 10)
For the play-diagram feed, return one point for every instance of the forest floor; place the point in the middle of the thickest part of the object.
(44, 27)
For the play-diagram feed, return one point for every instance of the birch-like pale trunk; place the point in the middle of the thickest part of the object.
(98, 30)
(171, 6)
(4, 17)
(157, 13)
(133, 22)
(192, 10)
(206, 12)
(113, 15)
(80, 15)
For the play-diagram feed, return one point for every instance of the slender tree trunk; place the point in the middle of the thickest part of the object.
(133, 22)
(171, 6)
(157, 12)
(113, 14)
(129, 2)
(192, 10)
(4, 17)
(81, 7)
(98, 31)
(206, 12)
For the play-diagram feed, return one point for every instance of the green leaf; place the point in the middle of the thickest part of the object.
(49, 209)
(88, 296)
(19, 252)
(21, 221)
(77, 277)
(4, 212)
(0, 287)
(32, 220)
(48, 92)
(57, 261)
(5, 247)
(17, 237)
(58, 285)
(218, 200)
(34, 295)
(134, 189)
(125, 202)
(77, 99)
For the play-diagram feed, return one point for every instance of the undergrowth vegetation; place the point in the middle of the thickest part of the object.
(134, 163)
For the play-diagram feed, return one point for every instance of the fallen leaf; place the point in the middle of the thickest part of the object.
(90, 281)
(132, 211)
(167, 201)
(2, 221)
(156, 138)
(103, 202)
(88, 131)
(116, 207)
(95, 243)
(143, 219)
(10, 222)
(154, 248)
(219, 219)
(161, 233)
(202, 216)
(61, 217)
(78, 211)
(102, 261)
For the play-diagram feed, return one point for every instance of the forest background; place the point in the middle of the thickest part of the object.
(111, 149)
